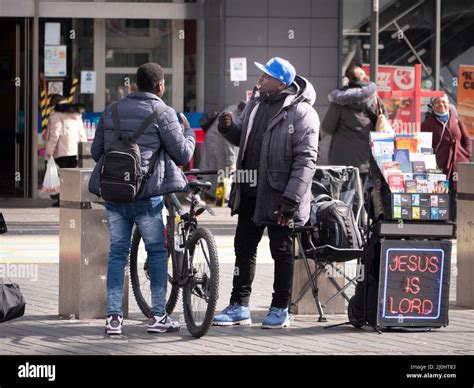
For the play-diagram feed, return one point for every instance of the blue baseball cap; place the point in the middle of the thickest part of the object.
(280, 69)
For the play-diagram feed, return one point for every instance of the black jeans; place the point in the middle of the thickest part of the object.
(64, 162)
(247, 237)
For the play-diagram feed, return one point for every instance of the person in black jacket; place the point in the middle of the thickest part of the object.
(277, 135)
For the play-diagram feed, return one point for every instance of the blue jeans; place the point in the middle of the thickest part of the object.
(147, 215)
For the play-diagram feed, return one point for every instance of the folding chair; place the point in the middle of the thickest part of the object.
(341, 183)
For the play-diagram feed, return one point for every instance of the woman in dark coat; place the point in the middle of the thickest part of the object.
(451, 142)
(350, 118)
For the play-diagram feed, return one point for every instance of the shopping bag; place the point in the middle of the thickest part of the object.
(12, 302)
(382, 124)
(51, 178)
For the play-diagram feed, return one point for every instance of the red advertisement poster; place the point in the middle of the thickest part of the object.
(466, 97)
(400, 110)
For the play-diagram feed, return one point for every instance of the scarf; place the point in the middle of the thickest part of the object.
(443, 117)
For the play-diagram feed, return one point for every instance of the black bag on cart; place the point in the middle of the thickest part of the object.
(362, 308)
(336, 224)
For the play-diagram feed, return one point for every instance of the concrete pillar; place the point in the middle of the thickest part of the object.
(465, 236)
(84, 242)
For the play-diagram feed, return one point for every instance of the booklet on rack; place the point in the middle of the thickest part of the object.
(409, 143)
(402, 156)
(425, 139)
(418, 167)
(396, 183)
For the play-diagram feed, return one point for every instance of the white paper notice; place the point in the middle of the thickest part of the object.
(55, 61)
(88, 82)
(238, 69)
(52, 34)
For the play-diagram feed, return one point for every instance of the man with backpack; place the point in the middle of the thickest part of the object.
(138, 144)
(277, 135)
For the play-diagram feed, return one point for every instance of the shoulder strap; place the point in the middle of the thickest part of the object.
(322, 197)
(116, 121)
(155, 114)
(379, 105)
(445, 125)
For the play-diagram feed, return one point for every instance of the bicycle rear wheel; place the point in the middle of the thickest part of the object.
(139, 274)
(200, 293)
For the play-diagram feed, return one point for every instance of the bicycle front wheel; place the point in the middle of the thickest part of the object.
(202, 287)
(139, 273)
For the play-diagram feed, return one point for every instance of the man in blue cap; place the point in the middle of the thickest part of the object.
(277, 135)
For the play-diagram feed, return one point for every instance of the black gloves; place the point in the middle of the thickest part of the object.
(286, 211)
(225, 121)
(288, 207)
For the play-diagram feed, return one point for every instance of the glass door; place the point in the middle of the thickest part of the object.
(15, 141)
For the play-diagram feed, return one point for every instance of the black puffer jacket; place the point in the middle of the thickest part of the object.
(288, 155)
(349, 119)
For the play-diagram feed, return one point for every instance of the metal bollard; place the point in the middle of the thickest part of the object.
(465, 236)
(84, 241)
(84, 155)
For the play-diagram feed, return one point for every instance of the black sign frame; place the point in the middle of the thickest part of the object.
(442, 250)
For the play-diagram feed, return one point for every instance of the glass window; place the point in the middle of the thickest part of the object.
(84, 57)
(135, 1)
(151, 1)
(408, 36)
(118, 86)
(132, 42)
(190, 49)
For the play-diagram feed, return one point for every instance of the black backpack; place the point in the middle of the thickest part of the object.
(336, 224)
(121, 177)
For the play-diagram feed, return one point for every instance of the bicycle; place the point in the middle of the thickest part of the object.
(193, 258)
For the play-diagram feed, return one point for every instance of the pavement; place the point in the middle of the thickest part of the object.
(32, 249)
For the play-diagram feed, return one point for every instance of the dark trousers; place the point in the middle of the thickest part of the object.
(247, 237)
(65, 162)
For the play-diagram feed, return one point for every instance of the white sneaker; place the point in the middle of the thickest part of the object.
(113, 324)
(163, 324)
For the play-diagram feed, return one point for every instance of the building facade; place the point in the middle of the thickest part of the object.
(90, 50)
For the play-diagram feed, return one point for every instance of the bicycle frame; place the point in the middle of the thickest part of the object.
(182, 268)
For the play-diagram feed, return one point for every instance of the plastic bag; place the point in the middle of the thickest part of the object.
(51, 178)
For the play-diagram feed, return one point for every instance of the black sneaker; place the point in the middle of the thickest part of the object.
(163, 324)
(113, 324)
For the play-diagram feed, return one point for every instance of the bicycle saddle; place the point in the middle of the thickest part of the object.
(201, 185)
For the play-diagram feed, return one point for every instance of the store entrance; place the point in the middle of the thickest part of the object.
(14, 142)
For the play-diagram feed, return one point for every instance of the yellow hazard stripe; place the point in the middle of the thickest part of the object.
(73, 89)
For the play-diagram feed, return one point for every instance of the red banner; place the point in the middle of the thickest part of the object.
(400, 110)
(466, 97)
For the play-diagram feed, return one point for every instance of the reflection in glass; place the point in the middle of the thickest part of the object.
(118, 86)
(132, 42)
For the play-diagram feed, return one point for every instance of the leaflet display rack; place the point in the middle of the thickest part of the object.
(414, 256)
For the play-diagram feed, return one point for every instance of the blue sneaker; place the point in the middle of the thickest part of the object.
(233, 314)
(276, 318)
